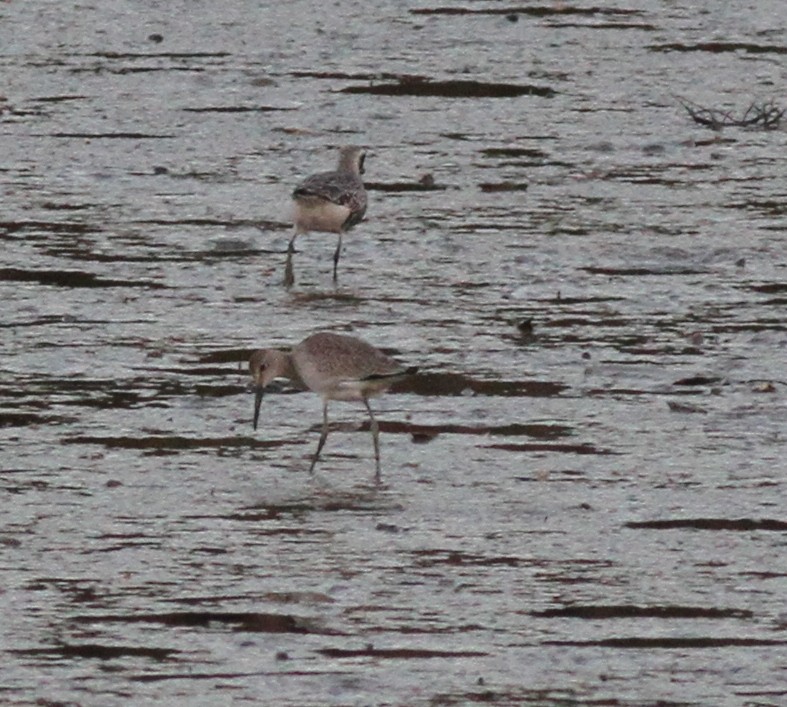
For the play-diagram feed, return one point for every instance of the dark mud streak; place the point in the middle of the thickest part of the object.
(583, 448)
(47, 226)
(397, 653)
(162, 677)
(105, 394)
(490, 187)
(538, 431)
(452, 89)
(171, 442)
(694, 381)
(422, 383)
(436, 558)
(237, 109)
(445, 384)
(523, 697)
(740, 524)
(97, 651)
(632, 611)
(23, 419)
(112, 136)
(71, 278)
(159, 55)
(770, 207)
(644, 26)
(530, 11)
(135, 70)
(252, 622)
(671, 643)
(768, 288)
(428, 630)
(529, 152)
(355, 504)
(58, 99)
(226, 356)
(400, 187)
(719, 48)
(265, 514)
(358, 76)
(643, 272)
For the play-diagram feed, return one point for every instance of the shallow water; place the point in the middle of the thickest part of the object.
(584, 491)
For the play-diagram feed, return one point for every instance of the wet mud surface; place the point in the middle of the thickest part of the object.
(583, 496)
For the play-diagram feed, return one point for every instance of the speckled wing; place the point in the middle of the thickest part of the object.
(327, 360)
(341, 188)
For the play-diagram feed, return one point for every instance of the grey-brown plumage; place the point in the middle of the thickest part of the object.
(329, 201)
(336, 366)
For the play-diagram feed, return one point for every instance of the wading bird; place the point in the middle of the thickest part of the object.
(329, 201)
(335, 366)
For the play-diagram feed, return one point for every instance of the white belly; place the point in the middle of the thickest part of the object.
(314, 214)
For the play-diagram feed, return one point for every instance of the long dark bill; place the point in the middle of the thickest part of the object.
(258, 391)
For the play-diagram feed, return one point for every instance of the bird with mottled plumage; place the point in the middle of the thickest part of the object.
(337, 367)
(332, 202)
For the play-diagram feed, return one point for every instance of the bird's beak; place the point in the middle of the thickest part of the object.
(258, 391)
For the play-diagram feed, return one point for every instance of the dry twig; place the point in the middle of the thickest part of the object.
(765, 115)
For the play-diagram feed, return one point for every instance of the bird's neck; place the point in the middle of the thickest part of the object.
(286, 368)
(348, 163)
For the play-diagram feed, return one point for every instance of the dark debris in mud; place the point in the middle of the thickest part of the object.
(766, 115)
(114, 136)
(242, 621)
(539, 447)
(238, 109)
(397, 84)
(109, 393)
(71, 278)
(359, 76)
(63, 227)
(737, 524)
(159, 55)
(523, 697)
(694, 381)
(546, 10)
(769, 288)
(397, 653)
(455, 558)
(400, 187)
(98, 652)
(529, 153)
(720, 47)
(535, 430)
(673, 643)
(355, 503)
(24, 419)
(261, 224)
(163, 444)
(628, 611)
(491, 187)
(226, 356)
(668, 270)
(451, 89)
(444, 384)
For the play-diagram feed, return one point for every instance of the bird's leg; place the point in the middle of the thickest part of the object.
(323, 436)
(336, 255)
(375, 428)
(289, 275)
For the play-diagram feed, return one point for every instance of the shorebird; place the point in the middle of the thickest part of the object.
(329, 201)
(335, 366)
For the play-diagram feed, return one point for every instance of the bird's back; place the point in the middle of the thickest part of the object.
(333, 364)
(342, 188)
